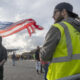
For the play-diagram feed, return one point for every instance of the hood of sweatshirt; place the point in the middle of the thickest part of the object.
(74, 22)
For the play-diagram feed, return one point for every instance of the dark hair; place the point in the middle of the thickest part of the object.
(72, 15)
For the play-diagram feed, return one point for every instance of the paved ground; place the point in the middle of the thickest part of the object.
(24, 70)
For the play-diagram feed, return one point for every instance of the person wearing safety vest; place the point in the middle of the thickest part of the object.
(62, 45)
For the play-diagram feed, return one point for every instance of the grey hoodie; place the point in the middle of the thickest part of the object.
(52, 39)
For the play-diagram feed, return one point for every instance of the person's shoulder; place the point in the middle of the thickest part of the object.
(53, 29)
(57, 23)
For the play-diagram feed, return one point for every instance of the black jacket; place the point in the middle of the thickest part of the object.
(37, 55)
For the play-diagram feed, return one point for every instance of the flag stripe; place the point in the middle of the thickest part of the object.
(20, 27)
(11, 24)
(12, 27)
(27, 26)
(17, 26)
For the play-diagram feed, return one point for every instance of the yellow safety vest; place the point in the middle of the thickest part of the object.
(66, 58)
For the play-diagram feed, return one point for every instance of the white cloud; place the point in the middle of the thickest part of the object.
(40, 10)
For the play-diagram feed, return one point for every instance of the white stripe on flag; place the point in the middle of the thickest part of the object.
(18, 27)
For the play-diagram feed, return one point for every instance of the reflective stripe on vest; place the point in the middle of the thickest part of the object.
(72, 77)
(69, 48)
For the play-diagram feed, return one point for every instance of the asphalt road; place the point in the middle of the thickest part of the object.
(24, 70)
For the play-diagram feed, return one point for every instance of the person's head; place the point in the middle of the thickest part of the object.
(62, 11)
(0, 40)
(38, 48)
(13, 52)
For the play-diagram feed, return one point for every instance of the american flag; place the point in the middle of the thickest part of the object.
(9, 28)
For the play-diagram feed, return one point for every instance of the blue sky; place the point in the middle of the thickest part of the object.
(40, 10)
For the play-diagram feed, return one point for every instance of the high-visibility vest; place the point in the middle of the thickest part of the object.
(66, 58)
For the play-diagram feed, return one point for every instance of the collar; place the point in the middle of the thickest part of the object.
(69, 20)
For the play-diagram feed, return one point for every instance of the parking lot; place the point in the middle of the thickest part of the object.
(24, 70)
